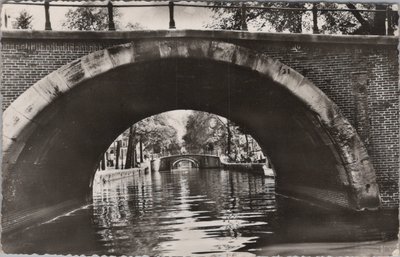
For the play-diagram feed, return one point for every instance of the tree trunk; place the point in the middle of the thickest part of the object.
(378, 25)
(247, 145)
(134, 157)
(365, 26)
(122, 159)
(128, 162)
(103, 162)
(229, 137)
(141, 149)
(128, 159)
(117, 154)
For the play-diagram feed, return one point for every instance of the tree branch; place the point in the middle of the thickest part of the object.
(357, 14)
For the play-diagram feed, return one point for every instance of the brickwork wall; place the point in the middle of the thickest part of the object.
(329, 66)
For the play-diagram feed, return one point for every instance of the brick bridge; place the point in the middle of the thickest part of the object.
(202, 161)
(325, 109)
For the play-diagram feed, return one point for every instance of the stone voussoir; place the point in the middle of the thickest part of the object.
(97, 63)
(146, 50)
(267, 66)
(30, 103)
(245, 57)
(291, 80)
(52, 86)
(121, 54)
(72, 73)
(16, 127)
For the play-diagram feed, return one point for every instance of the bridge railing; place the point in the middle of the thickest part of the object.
(389, 21)
(167, 154)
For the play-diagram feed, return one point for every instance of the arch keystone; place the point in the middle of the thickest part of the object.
(173, 49)
(222, 51)
(198, 48)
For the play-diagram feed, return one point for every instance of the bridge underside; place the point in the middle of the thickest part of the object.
(57, 156)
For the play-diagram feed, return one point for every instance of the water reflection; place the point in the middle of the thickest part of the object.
(192, 211)
(183, 212)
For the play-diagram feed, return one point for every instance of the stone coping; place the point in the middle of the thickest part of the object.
(214, 34)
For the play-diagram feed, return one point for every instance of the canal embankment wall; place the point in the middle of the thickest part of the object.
(256, 168)
(116, 174)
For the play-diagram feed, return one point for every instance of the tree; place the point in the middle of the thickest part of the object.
(291, 21)
(157, 135)
(89, 18)
(154, 135)
(355, 21)
(103, 162)
(331, 22)
(23, 21)
(130, 160)
(117, 152)
(206, 131)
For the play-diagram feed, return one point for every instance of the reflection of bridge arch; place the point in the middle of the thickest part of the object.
(52, 127)
(194, 162)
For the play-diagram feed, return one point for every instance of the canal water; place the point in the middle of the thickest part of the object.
(198, 212)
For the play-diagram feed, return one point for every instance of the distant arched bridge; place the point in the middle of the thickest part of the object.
(202, 161)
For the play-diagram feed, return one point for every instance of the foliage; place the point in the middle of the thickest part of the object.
(157, 134)
(204, 133)
(23, 21)
(355, 22)
(280, 21)
(207, 132)
(89, 18)
(329, 22)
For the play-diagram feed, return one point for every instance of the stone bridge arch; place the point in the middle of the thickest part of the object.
(56, 131)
